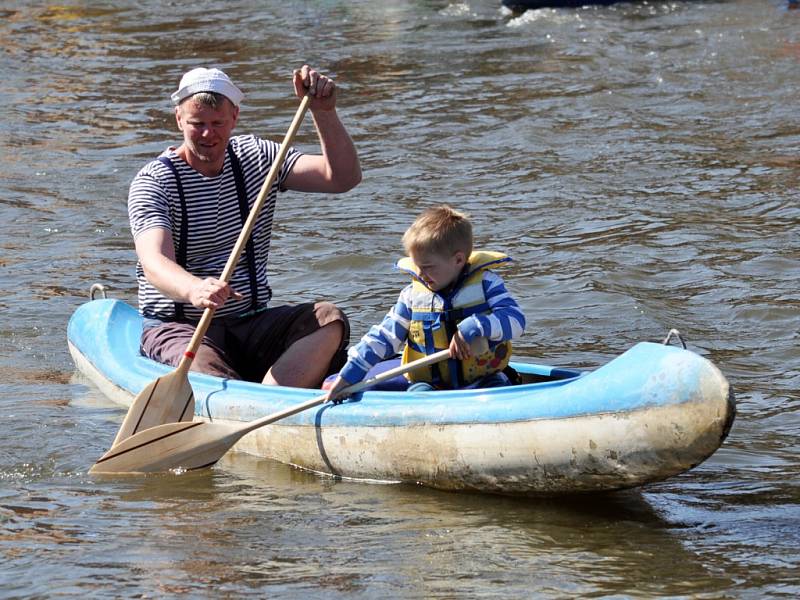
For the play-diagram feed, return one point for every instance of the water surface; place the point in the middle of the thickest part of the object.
(638, 161)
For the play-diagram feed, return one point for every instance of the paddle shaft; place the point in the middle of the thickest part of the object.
(352, 389)
(479, 345)
(233, 259)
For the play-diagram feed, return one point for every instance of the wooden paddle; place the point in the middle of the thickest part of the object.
(194, 445)
(170, 398)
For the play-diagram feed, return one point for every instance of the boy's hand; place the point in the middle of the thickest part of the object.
(338, 385)
(459, 348)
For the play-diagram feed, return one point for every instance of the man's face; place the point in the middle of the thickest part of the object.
(206, 130)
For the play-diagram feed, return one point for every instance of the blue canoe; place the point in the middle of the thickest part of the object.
(653, 412)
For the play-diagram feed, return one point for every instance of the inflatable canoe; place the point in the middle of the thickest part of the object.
(653, 412)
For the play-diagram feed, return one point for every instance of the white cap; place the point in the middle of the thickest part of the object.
(207, 80)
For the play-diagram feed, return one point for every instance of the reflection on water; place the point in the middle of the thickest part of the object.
(265, 524)
(639, 162)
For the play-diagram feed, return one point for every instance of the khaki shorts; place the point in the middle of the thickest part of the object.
(245, 347)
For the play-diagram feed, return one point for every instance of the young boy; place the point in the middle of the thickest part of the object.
(453, 299)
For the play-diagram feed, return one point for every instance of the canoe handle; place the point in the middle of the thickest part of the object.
(674, 333)
(97, 287)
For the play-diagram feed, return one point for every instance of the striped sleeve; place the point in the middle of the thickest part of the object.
(504, 322)
(148, 202)
(382, 341)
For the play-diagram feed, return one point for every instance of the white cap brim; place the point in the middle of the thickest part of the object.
(207, 80)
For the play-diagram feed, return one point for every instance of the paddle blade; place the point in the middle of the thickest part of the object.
(187, 445)
(168, 399)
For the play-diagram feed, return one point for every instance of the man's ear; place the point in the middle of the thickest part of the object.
(178, 118)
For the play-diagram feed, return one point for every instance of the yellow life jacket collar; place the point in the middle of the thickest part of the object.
(478, 261)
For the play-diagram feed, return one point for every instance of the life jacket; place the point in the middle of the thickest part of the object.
(435, 319)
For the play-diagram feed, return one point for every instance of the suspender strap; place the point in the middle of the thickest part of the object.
(244, 210)
(180, 254)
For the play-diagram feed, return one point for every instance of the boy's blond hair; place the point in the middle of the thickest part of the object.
(439, 230)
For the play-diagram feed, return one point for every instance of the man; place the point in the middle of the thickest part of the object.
(187, 209)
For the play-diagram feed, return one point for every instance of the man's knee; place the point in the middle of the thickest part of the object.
(328, 312)
(334, 332)
(333, 321)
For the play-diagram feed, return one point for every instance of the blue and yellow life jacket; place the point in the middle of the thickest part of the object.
(435, 319)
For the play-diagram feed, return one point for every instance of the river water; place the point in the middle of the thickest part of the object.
(639, 161)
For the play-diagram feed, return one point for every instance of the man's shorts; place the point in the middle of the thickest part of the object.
(245, 347)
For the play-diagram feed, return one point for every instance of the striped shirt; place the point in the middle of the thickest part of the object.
(505, 321)
(213, 219)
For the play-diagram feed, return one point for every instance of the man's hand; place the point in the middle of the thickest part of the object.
(321, 88)
(211, 293)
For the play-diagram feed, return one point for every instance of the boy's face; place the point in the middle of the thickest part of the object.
(438, 270)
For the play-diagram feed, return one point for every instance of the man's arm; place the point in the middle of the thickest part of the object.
(337, 168)
(156, 254)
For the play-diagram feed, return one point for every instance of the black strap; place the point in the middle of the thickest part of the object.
(450, 324)
(180, 253)
(244, 211)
